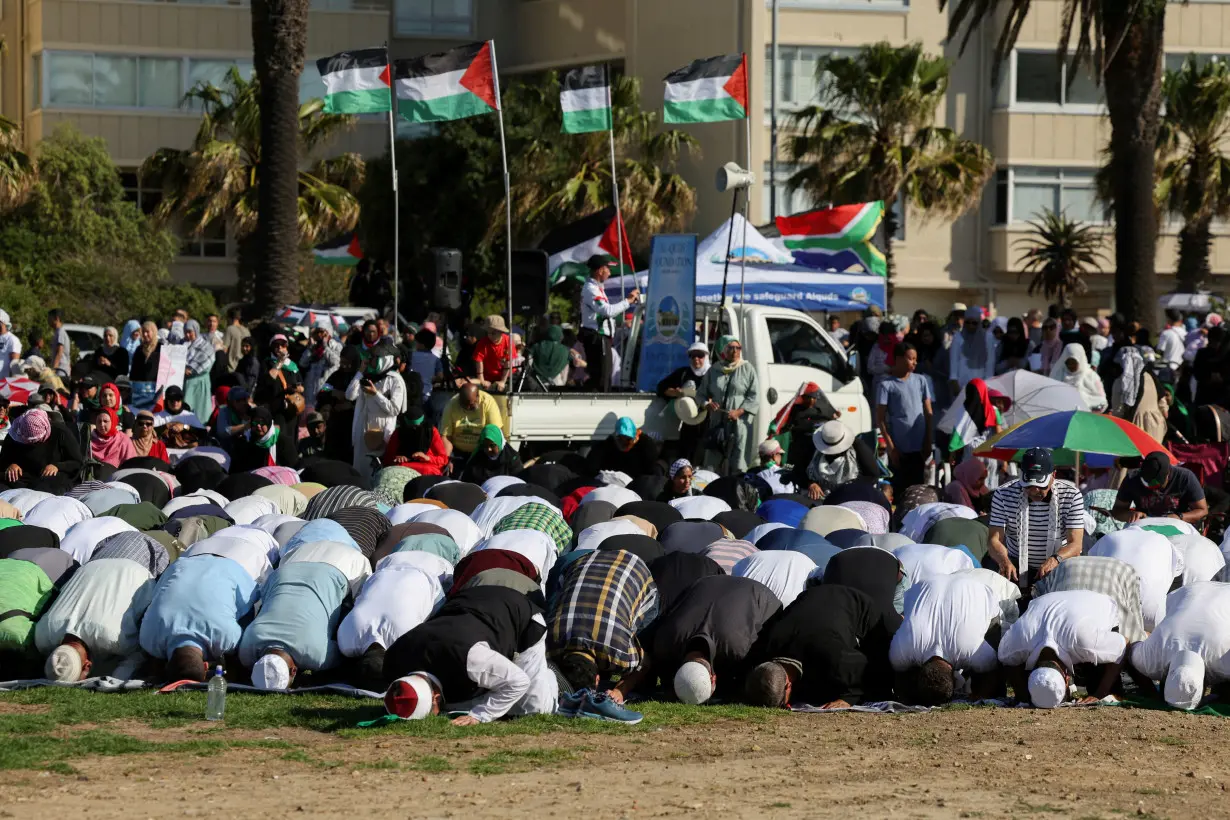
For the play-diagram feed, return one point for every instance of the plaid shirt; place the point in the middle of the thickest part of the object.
(605, 599)
(538, 517)
(134, 546)
(1109, 576)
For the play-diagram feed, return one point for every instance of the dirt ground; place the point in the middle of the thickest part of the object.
(1080, 763)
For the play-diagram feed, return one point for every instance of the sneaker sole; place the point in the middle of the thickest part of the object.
(594, 716)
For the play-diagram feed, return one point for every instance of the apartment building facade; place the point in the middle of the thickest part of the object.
(117, 68)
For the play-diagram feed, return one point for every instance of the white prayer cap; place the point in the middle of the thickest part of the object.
(64, 665)
(693, 684)
(1185, 682)
(271, 673)
(409, 698)
(1047, 687)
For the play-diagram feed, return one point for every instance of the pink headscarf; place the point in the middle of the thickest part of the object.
(114, 447)
(963, 488)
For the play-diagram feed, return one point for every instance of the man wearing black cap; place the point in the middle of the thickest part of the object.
(313, 444)
(86, 401)
(597, 321)
(1036, 522)
(1159, 489)
(174, 409)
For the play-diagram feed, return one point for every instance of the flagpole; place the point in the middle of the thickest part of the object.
(747, 198)
(499, 107)
(619, 219)
(396, 197)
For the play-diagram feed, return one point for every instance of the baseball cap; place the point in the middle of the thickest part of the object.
(598, 260)
(770, 447)
(174, 392)
(279, 337)
(1155, 468)
(1037, 467)
(314, 418)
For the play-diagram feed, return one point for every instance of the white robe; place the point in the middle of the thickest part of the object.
(374, 412)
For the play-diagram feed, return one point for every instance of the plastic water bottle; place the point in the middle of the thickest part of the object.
(215, 700)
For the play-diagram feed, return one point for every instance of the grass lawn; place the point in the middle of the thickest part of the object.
(53, 726)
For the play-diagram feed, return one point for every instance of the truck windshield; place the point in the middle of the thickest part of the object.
(798, 343)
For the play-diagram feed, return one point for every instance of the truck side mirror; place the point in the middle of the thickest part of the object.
(771, 395)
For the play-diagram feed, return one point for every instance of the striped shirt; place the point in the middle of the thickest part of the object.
(728, 552)
(134, 546)
(1044, 541)
(605, 600)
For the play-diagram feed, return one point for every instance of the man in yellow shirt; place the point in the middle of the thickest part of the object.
(465, 416)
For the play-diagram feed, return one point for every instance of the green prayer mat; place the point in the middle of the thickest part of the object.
(1216, 709)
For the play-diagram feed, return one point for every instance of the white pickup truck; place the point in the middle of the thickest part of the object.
(787, 348)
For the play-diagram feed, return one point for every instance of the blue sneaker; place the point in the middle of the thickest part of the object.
(600, 707)
(570, 703)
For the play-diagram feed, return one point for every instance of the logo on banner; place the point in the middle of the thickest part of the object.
(669, 316)
(859, 294)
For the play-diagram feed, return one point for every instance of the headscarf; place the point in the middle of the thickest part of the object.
(1050, 350)
(783, 416)
(31, 427)
(143, 438)
(887, 342)
(112, 448)
(1084, 379)
(268, 441)
(831, 472)
(413, 435)
(549, 358)
(699, 372)
(148, 349)
(106, 348)
(493, 434)
(1126, 390)
(678, 465)
(978, 405)
(722, 343)
(965, 477)
(973, 342)
(126, 341)
(875, 518)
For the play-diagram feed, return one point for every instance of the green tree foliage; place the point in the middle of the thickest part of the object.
(1059, 253)
(218, 178)
(452, 190)
(78, 244)
(872, 136)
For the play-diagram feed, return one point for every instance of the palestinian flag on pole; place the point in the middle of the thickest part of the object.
(585, 99)
(343, 251)
(450, 85)
(836, 238)
(570, 247)
(356, 82)
(710, 90)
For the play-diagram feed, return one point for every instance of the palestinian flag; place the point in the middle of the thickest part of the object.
(585, 99)
(836, 238)
(711, 90)
(343, 251)
(356, 82)
(450, 85)
(570, 247)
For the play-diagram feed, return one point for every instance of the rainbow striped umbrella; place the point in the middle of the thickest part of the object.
(1069, 432)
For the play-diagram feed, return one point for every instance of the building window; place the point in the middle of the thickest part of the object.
(1023, 194)
(797, 84)
(1175, 61)
(145, 195)
(36, 81)
(433, 17)
(787, 203)
(160, 82)
(80, 79)
(844, 5)
(210, 245)
(1038, 80)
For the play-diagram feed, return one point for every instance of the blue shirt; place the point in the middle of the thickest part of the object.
(428, 366)
(300, 609)
(199, 601)
(904, 400)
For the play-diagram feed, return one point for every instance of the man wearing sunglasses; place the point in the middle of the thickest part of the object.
(1161, 490)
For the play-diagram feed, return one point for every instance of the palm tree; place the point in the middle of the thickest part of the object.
(1193, 173)
(279, 42)
(871, 136)
(1122, 41)
(220, 178)
(1060, 253)
(558, 178)
(16, 169)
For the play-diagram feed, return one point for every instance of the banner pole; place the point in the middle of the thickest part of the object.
(495, 72)
(619, 218)
(747, 198)
(396, 197)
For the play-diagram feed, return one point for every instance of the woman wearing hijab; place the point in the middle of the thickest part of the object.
(1125, 392)
(262, 445)
(109, 396)
(108, 443)
(148, 356)
(491, 457)
(685, 382)
(970, 355)
(731, 393)
(1014, 347)
(110, 357)
(130, 339)
(319, 361)
(969, 486)
(379, 396)
(1050, 348)
(417, 444)
(549, 358)
(679, 481)
(1073, 369)
(200, 362)
(39, 454)
(144, 440)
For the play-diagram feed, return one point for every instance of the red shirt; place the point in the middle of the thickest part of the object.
(494, 357)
